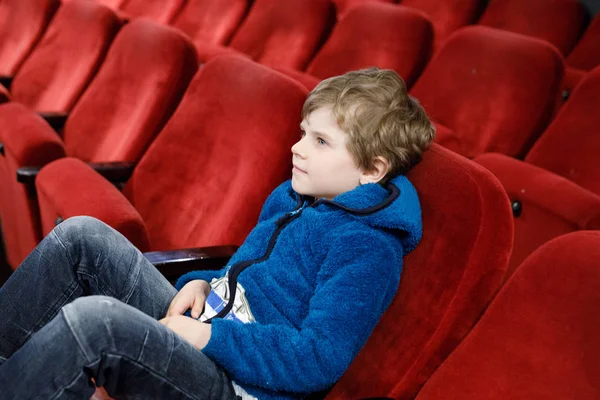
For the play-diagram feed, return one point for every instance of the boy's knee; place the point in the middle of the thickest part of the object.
(98, 320)
(81, 225)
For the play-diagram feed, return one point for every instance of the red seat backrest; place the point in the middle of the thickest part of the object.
(204, 179)
(22, 23)
(559, 22)
(446, 283)
(494, 89)
(284, 34)
(211, 21)
(67, 57)
(145, 73)
(376, 34)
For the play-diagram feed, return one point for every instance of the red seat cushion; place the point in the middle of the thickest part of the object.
(538, 339)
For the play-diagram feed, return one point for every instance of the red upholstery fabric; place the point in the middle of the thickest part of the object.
(114, 4)
(22, 23)
(448, 15)
(494, 89)
(343, 6)
(307, 80)
(539, 337)
(446, 283)
(284, 34)
(238, 122)
(66, 58)
(204, 179)
(161, 11)
(145, 73)
(571, 144)
(28, 141)
(586, 54)
(211, 21)
(376, 34)
(551, 205)
(559, 22)
(93, 194)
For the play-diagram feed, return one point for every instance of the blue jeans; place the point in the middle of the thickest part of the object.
(85, 304)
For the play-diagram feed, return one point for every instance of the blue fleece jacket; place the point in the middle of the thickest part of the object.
(333, 270)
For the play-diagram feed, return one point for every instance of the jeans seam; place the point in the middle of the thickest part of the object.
(137, 278)
(60, 241)
(81, 347)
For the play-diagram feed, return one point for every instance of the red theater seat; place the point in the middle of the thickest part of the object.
(145, 73)
(538, 340)
(22, 23)
(66, 58)
(546, 205)
(280, 34)
(374, 34)
(558, 185)
(211, 21)
(448, 15)
(447, 282)
(204, 179)
(559, 22)
(492, 90)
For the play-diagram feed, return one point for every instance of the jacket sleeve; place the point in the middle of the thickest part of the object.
(356, 283)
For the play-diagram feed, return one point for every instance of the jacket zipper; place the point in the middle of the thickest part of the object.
(237, 269)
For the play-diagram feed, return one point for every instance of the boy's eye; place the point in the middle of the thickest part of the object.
(302, 133)
(321, 141)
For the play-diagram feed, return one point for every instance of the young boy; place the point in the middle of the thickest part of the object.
(287, 315)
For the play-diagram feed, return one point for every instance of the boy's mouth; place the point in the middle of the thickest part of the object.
(296, 169)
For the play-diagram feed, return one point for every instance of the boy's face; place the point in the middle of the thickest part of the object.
(323, 166)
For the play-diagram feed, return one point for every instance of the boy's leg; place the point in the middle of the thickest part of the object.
(82, 256)
(129, 353)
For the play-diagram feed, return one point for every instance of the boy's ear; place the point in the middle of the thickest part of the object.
(381, 167)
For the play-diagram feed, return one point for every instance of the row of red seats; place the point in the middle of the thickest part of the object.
(208, 23)
(479, 74)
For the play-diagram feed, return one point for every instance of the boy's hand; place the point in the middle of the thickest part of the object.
(196, 332)
(192, 295)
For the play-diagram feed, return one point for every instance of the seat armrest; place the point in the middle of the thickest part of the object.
(174, 263)
(6, 81)
(115, 172)
(26, 175)
(55, 119)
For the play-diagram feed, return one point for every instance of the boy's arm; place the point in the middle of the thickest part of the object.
(357, 282)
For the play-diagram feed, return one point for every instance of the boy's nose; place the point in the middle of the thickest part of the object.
(297, 149)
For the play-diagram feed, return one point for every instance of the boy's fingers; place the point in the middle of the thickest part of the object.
(198, 305)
